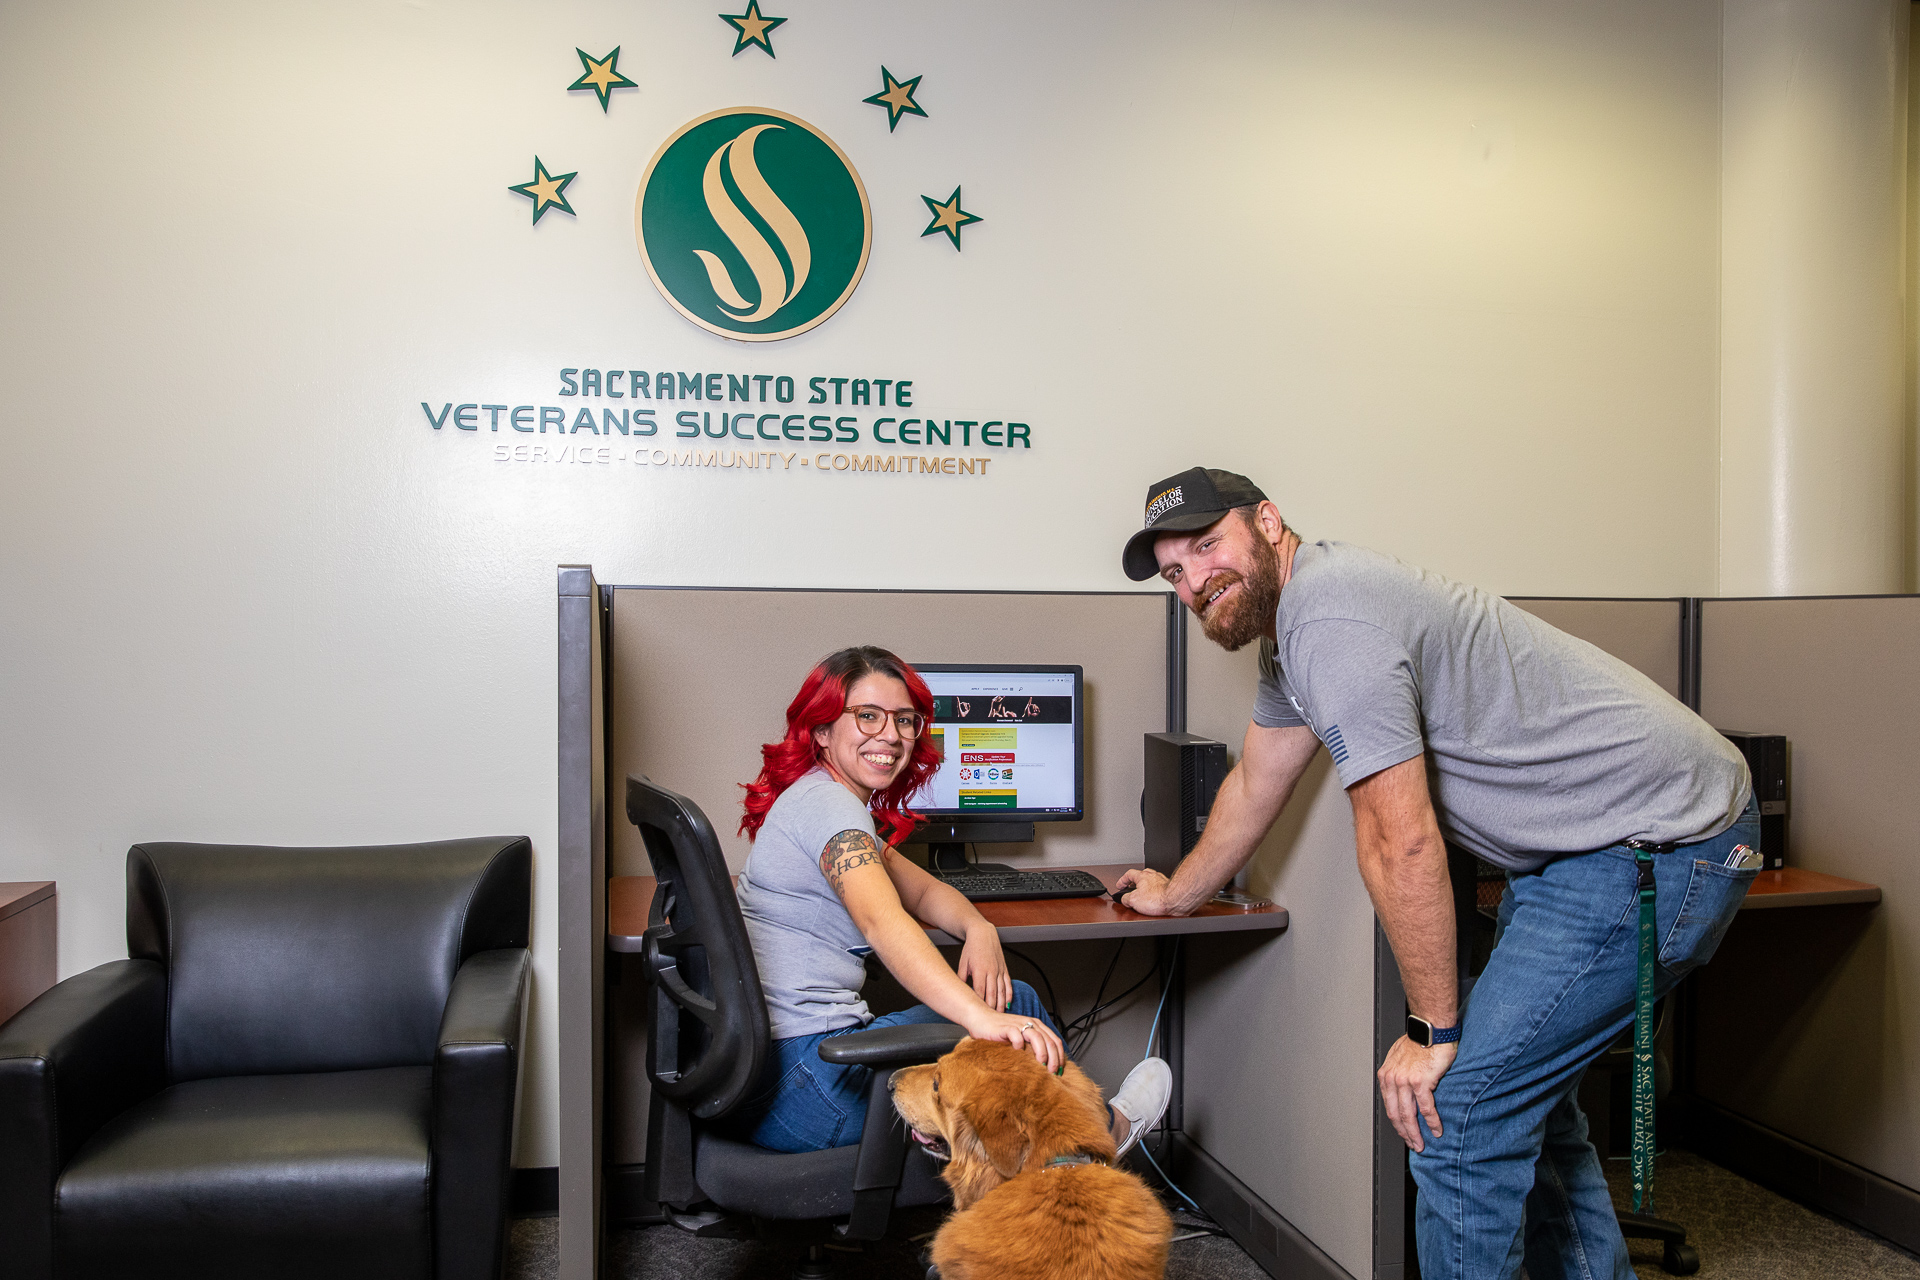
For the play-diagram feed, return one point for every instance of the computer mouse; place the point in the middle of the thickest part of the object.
(1121, 893)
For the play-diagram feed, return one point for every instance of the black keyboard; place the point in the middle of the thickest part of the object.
(1019, 886)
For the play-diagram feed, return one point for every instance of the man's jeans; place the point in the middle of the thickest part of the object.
(803, 1103)
(1513, 1178)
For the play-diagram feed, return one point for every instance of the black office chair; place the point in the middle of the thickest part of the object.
(307, 1069)
(708, 1040)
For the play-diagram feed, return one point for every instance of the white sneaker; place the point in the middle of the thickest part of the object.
(1143, 1099)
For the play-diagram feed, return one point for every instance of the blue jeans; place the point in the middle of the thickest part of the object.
(1513, 1178)
(802, 1103)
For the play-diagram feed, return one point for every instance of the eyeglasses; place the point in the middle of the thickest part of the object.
(870, 720)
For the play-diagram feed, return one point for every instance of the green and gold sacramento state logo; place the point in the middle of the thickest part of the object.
(753, 224)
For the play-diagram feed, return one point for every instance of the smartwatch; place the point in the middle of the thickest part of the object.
(1426, 1035)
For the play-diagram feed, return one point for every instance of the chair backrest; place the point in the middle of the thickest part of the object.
(288, 960)
(708, 1033)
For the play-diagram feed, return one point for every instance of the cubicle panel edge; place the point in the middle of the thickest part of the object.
(582, 918)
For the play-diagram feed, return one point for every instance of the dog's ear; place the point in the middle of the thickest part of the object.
(997, 1135)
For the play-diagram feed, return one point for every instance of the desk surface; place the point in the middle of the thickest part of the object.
(18, 895)
(1042, 920)
(1799, 887)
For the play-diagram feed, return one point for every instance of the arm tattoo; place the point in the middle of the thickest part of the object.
(850, 849)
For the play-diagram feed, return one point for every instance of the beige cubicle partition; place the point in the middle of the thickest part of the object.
(1808, 1047)
(700, 678)
(1644, 634)
(1280, 1029)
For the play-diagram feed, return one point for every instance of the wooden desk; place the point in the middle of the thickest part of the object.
(27, 942)
(1041, 920)
(1798, 887)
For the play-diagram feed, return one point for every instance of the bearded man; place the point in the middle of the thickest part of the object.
(1453, 717)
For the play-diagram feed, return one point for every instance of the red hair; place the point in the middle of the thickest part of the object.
(822, 700)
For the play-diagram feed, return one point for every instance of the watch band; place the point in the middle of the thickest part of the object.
(1425, 1034)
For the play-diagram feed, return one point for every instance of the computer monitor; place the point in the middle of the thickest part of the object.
(1013, 741)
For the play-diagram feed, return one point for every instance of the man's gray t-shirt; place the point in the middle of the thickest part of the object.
(1538, 744)
(809, 953)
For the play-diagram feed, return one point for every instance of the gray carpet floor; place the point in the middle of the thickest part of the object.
(1743, 1232)
(666, 1253)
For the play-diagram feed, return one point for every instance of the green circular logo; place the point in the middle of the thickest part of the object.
(753, 224)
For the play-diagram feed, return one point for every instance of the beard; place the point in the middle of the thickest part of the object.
(1246, 614)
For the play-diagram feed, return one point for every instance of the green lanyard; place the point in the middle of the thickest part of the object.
(1643, 1040)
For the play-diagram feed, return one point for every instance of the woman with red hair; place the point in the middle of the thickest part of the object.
(824, 888)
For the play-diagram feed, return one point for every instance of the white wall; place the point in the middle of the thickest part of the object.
(1441, 277)
(1813, 366)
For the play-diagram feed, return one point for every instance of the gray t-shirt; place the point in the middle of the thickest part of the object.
(1538, 744)
(810, 955)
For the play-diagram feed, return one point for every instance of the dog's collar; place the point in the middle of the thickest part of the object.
(1078, 1157)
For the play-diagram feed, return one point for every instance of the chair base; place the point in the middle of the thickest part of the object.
(817, 1265)
(704, 1223)
(1677, 1258)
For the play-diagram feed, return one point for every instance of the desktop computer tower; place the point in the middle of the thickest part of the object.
(1183, 775)
(1766, 755)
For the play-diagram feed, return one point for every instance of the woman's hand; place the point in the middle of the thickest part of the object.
(1030, 1033)
(983, 966)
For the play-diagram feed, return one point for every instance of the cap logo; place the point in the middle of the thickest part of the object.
(1163, 503)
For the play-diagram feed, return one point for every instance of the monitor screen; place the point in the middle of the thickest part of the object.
(1011, 741)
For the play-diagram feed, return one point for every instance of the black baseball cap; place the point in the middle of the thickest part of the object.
(1191, 500)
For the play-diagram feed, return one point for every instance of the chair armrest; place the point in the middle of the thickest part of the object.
(476, 1087)
(883, 1143)
(72, 1060)
(901, 1046)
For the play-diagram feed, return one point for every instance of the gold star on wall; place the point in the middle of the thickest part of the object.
(547, 191)
(601, 75)
(754, 28)
(948, 217)
(897, 97)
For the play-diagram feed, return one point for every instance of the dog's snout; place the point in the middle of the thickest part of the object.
(893, 1082)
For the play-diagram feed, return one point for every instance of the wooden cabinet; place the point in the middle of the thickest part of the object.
(28, 938)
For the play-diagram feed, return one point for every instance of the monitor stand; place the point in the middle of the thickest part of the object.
(947, 844)
(951, 859)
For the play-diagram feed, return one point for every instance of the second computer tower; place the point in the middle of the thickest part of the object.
(1183, 775)
(1766, 755)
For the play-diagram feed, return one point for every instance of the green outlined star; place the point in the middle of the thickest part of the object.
(897, 97)
(601, 75)
(547, 191)
(948, 217)
(755, 28)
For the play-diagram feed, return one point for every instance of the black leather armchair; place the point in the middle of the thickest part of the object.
(308, 1068)
(708, 1039)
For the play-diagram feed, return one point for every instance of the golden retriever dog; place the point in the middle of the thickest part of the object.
(1026, 1206)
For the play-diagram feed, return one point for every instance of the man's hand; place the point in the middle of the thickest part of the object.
(1149, 896)
(1251, 796)
(1407, 1080)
